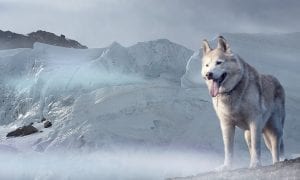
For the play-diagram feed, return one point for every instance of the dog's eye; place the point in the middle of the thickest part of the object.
(206, 65)
(218, 62)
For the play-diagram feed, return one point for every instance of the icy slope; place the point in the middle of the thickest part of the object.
(161, 58)
(192, 76)
(68, 87)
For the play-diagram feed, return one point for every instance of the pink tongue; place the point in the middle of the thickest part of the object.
(214, 89)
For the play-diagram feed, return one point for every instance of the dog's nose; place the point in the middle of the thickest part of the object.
(209, 75)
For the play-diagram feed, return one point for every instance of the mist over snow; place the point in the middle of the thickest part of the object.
(137, 112)
(154, 164)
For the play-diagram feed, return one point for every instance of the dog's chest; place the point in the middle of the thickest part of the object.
(235, 112)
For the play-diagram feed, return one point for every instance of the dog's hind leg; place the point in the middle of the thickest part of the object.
(275, 144)
(281, 155)
(267, 140)
(247, 137)
(275, 127)
(280, 114)
(273, 133)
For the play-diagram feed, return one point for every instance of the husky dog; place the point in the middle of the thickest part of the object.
(244, 98)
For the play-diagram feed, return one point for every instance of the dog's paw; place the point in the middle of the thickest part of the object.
(223, 167)
(282, 158)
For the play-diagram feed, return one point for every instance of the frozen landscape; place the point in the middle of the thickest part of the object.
(138, 112)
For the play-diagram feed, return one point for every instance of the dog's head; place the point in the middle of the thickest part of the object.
(220, 68)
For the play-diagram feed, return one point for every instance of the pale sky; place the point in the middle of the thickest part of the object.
(97, 23)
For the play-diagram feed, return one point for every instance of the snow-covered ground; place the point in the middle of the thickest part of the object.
(127, 112)
(287, 169)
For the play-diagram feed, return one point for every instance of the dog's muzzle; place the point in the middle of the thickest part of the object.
(210, 76)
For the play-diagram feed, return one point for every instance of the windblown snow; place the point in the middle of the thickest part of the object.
(121, 108)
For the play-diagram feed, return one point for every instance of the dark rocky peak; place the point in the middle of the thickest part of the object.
(11, 40)
(53, 39)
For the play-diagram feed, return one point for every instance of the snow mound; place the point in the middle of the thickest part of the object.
(192, 77)
(161, 58)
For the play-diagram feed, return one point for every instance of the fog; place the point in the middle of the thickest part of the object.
(120, 164)
(69, 78)
(97, 23)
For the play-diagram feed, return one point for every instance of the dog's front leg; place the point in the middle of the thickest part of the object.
(255, 131)
(228, 130)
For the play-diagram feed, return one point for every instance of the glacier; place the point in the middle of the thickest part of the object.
(134, 112)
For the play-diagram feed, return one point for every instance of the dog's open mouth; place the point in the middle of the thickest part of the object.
(222, 78)
(215, 85)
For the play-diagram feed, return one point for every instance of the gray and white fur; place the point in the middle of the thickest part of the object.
(244, 98)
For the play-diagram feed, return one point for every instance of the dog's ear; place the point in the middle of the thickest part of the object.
(205, 47)
(223, 45)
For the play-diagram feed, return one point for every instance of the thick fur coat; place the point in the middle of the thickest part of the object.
(244, 98)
